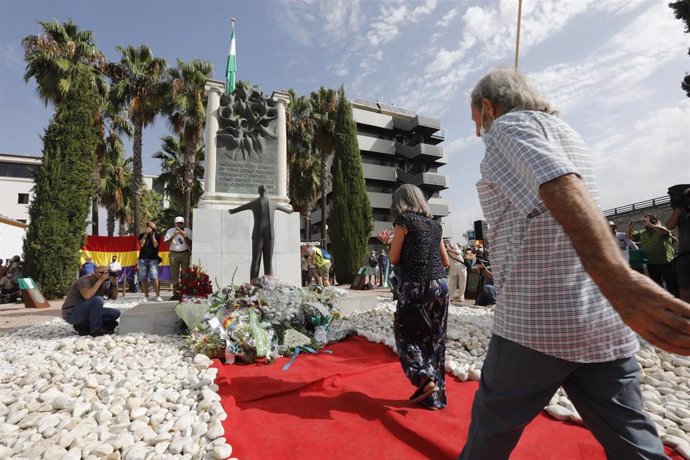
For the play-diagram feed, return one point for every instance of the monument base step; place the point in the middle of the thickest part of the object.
(150, 318)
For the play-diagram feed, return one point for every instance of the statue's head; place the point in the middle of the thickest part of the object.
(262, 189)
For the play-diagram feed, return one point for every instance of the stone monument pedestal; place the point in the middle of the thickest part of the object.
(223, 243)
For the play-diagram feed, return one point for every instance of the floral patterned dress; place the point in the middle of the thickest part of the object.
(423, 358)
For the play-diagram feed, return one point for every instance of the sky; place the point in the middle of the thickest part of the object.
(612, 67)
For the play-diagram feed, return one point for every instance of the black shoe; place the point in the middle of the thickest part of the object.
(81, 330)
(100, 332)
(175, 297)
(110, 326)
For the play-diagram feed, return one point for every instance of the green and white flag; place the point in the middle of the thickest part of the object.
(231, 67)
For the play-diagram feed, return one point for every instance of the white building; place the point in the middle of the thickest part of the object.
(16, 184)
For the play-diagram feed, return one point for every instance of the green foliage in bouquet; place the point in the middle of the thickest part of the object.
(206, 342)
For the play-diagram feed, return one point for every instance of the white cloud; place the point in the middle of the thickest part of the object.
(459, 145)
(447, 18)
(392, 15)
(641, 162)
(613, 74)
(333, 20)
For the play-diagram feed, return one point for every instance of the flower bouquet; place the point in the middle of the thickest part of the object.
(385, 236)
(194, 282)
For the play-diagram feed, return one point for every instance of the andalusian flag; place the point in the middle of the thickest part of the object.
(231, 67)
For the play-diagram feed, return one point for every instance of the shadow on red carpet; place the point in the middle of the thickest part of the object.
(352, 404)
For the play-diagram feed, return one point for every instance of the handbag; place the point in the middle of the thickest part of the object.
(414, 319)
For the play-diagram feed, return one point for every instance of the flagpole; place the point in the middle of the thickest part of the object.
(517, 38)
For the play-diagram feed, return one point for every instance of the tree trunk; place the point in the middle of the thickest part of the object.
(110, 222)
(94, 216)
(188, 179)
(122, 227)
(137, 176)
(324, 189)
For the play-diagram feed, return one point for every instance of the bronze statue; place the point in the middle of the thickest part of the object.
(262, 233)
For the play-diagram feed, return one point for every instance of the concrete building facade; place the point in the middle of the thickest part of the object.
(16, 183)
(397, 147)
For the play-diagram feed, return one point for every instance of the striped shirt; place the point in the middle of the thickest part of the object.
(546, 301)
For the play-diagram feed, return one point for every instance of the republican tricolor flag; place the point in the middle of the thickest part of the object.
(231, 67)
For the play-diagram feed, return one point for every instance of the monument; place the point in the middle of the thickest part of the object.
(246, 146)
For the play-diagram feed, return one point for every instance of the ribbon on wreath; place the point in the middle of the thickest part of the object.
(297, 352)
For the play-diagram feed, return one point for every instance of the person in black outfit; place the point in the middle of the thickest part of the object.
(418, 250)
(149, 242)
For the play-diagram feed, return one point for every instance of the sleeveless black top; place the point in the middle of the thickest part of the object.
(423, 234)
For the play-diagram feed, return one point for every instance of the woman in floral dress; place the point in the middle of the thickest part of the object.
(418, 250)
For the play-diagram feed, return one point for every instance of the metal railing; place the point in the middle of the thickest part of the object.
(637, 206)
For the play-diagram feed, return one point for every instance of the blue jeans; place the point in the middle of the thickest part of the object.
(487, 296)
(518, 382)
(92, 313)
(148, 269)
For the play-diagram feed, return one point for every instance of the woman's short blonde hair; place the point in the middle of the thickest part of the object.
(409, 198)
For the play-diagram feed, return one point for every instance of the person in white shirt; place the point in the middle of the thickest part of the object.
(624, 243)
(115, 265)
(179, 239)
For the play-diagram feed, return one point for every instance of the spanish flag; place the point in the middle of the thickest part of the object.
(101, 249)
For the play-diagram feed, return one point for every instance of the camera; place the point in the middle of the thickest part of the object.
(679, 197)
(112, 273)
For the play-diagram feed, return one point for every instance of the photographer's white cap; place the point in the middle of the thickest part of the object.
(179, 219)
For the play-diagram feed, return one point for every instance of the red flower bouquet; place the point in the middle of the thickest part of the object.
(194, 282)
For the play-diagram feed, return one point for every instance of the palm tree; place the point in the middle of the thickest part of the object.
(112, 122)
(172, 156)
(187, 116)
(114, 185)
(323, 106)
(304, 164)
(56, 56)
(138, 80)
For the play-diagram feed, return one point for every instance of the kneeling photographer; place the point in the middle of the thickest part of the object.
(680, 202)
(83, 307)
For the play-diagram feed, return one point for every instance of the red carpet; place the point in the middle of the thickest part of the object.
(352, 404)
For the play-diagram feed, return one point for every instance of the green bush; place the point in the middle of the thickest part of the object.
(351, 217)
(62, 192)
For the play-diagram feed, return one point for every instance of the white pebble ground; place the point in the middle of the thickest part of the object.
(113, 397)
(148, 397)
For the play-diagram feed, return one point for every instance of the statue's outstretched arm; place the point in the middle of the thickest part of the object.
(244, 207)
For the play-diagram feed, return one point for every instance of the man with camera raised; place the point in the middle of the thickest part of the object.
(657, 242)
(83, 307)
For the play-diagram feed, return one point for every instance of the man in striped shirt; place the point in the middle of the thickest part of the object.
(566, 299)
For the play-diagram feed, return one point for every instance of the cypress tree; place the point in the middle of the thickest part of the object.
(62, 192)
(351, 217)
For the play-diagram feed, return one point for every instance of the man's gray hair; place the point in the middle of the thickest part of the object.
(409, 198)
(510, 90)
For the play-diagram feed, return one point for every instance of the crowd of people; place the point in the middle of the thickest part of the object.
(83, 306)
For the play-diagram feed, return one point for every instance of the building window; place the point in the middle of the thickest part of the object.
(23, 198)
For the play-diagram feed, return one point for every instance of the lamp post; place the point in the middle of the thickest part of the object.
(517, 38)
